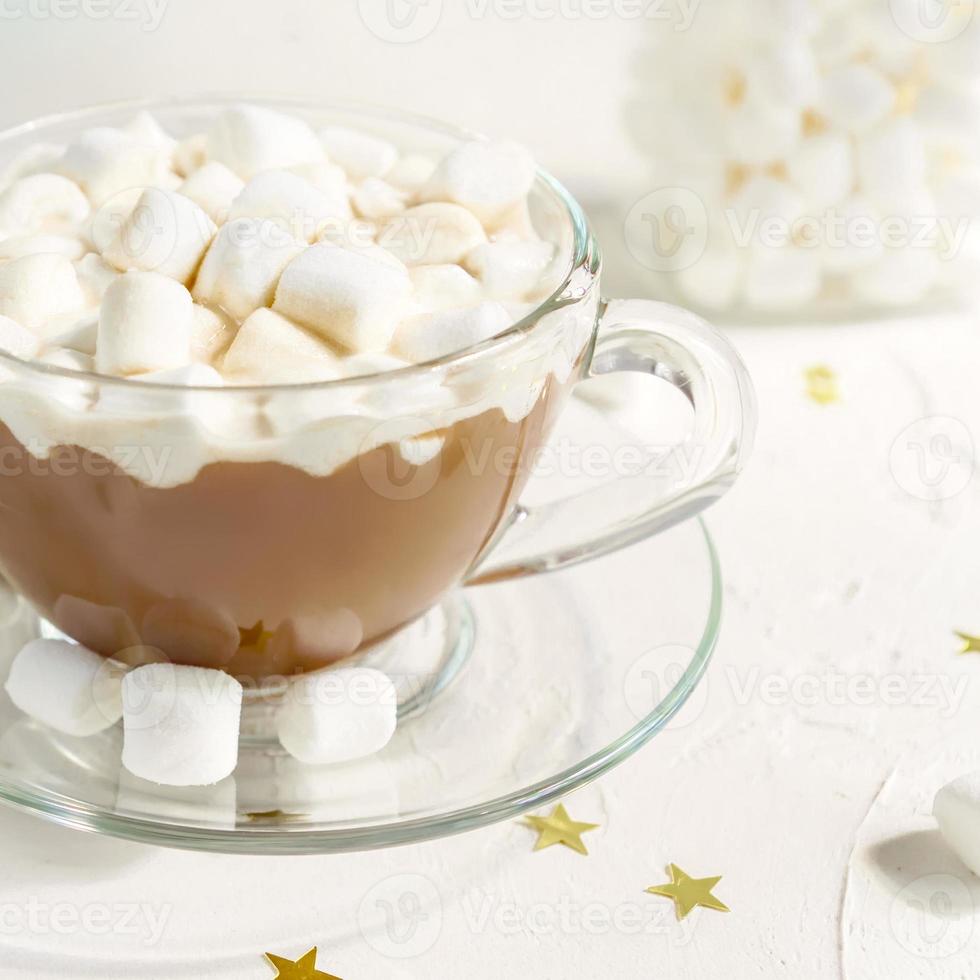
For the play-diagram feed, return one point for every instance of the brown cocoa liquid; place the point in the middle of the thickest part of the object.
(258, 568)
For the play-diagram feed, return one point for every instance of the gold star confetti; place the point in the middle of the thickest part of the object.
(255, 637)
(559, 828)
(273, 816)
(302, 969)
(821, 384)
(688, 892)
(971, 644)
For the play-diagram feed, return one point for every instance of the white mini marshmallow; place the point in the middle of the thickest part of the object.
(213, 332)
(957, 811)
(165, 233)
(106, 221)
(360, 154)
(145, 324)
(76, 333)
(181, 724)
(444, 287)
(338, 715)
(431, 234)
(891, 163)
(485, 177)
(70, 246)
(72, 360)
(375, 199)
(35, 158)
(146, 129)
(66, 686)
(432, 335)
(271, 349)
(823, 169)
(213, 187)
(95, 276)
(303, 209)
(190, 154)
(330, 178)
(243, 265)
(41, 201)
(18, 340)
(250, 139)
(510, 270)
(411, 171)
(856, 97)
(354, 298)
(38, 287)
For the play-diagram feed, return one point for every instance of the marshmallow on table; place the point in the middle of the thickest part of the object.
(145, 324)
(250, 139)
(39, 201)
(444, 287)
(360, 154)
(431, 234)
(337, 715)
(296, 204)
(212, 334)
(95, 276)
(243, 265)
(66, 686)
(70, 246)
(165, 233)
(18, 340)
(957, 811)
(180, 724)
(353, 297)
(271, 349)
(432, 335)
(212, 188)
(37, 287)
(375, 198)
(510, 270)
(487, 178)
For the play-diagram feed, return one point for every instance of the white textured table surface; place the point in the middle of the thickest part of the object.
(802, 771)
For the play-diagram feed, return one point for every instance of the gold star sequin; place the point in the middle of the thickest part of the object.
(688, 893)
(559, 828)
(255, 637)
(302, 969)
(971, 644)
(273, 816)
(821, 384)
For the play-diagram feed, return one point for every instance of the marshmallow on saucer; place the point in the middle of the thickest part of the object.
(241, 268)
(37, 287)
(181, 724)
(271, 349)
(444, 287)
(18, 340)
(338, 715)
(66, 686)
(487, 178)
(145, 324)
(39, 201)
(510, 270)
(360, 154)
(353, 297)
(212, 188)
(431, 234)
(250, 139)
(432, 335)
(295, 203)
(165, 233)
(957, 811)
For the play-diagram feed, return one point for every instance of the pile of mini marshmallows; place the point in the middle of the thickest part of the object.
(260, 252)
(181, 724)
(813, 149)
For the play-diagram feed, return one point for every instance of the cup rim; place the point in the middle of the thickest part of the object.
(584, 249)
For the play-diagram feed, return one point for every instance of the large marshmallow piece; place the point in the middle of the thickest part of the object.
(165, 233)
(146, 323)
(243, 266)
(338, 715)
(360, 154)
(510, 270)
(250, 139)
(180, 724)
(486, 178)
(304, 209)
(444, 287)
(213, 188)
(18, 340)
(431, 234)
(66, 686)
(352, 297)
(38, 287)
(70, 246)
(429, 336)
(271, 349)
(41, 201)
(957, 811)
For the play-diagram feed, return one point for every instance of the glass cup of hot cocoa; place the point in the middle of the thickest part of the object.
(273, 375)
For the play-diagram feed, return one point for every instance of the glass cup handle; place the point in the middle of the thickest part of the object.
(673, 344)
